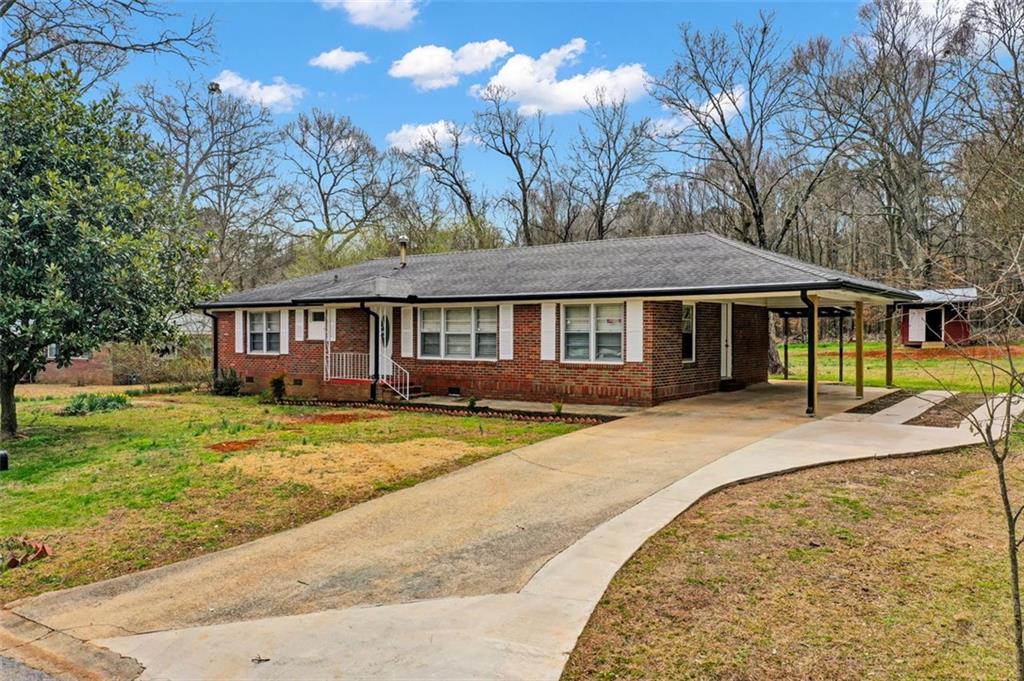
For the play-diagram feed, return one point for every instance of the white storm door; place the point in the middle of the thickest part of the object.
(726, 350)
(915, 332)
(385, 340)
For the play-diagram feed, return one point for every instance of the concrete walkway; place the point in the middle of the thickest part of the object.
(490, 572)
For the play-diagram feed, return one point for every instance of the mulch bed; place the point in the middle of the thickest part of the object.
(884, 402)
(485, 412)
(235, 445)
(336, 418)
(950, 412)
(921, 354)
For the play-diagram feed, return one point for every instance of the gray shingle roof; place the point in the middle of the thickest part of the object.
(679, 264)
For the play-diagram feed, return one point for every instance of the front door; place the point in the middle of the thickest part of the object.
(384, 339)
(726, 350)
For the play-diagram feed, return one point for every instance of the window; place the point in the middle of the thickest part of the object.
(459, 332)
(264, 332)
(430, 333)
(486, 332)
(689, 326)
(592, 333)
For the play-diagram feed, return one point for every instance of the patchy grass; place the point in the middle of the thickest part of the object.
(913, 369)
(28, 392)
(115, 492)
(889, 569)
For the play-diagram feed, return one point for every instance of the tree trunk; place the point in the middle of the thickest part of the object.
(774, 361)
(8, 409)
(1011, 534)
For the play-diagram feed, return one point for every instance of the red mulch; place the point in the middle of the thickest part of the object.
(235, 445)
(976, 352)
(339, 417)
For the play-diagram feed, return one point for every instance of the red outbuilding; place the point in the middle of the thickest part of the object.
(941, 317)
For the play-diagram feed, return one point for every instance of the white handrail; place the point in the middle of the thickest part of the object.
(356, 365)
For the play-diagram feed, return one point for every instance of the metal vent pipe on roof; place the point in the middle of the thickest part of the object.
(403, 250)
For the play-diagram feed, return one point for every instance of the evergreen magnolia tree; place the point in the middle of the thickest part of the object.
(94, 245)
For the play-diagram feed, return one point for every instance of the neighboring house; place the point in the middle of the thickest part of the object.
(940, 317)
(109, 366)
(624, 321)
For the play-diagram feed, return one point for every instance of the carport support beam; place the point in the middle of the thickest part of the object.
(839, 320)
(812, 351)
(785, 348)
(890, 311)
(858, 331)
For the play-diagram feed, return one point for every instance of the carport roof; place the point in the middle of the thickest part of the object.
(674, 265)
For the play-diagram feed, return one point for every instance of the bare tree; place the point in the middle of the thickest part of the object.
(343, 184)
(612, 157)
(95, 37)
(225, 149)
(524, 141)
(558, 207)
(441, 154)
(731, 96)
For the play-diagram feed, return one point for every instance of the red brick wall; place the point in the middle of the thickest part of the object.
(304, 361)
(97, 370)
(674, 378)
(749, 344)
(660, 377)
(526, 377)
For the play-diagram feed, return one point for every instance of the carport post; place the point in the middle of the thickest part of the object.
(812, 351)
(840, 347)
(858, 331)
(785, 348)
(889, 312)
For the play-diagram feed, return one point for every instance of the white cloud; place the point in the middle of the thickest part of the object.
(277, 96)
(339, 59)
(431, 66)
(409, 135)
(535, 85)
(388, 15)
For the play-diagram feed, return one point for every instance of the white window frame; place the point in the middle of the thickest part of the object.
(248, 332)
(593, 333)
(444, 356)
(693, 358)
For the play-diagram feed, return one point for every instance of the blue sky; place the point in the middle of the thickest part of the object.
(611, 43)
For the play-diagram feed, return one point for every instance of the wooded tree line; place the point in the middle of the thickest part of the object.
(894, 153)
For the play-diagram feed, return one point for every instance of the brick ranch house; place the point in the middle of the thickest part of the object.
(632, 321)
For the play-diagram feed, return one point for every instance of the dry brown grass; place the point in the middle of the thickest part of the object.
(341, 468)
(882, 569)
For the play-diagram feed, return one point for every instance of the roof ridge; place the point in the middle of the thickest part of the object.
(559, 244)
(777, 258)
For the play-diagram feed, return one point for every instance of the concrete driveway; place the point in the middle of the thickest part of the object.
(491, 571)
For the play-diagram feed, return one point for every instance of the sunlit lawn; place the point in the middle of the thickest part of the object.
(178, 475)
(913, 369)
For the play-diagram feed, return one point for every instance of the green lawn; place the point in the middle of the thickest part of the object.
(913, 369)
(175, 476)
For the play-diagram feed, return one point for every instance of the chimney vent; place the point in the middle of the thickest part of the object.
(403, 250)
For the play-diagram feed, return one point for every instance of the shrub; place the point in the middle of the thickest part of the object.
(277, 387)
(86, 403)
(557, 406)
(227, 384)
(471, 401)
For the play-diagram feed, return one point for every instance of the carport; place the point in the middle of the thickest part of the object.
(841, 300)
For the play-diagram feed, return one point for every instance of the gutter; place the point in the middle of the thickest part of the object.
(571, 295)
(216, 360)
(376, 350)
(812, 354)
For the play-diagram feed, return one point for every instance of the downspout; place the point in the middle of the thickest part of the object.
(376, 349)
(811, 352)
(216, 369)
